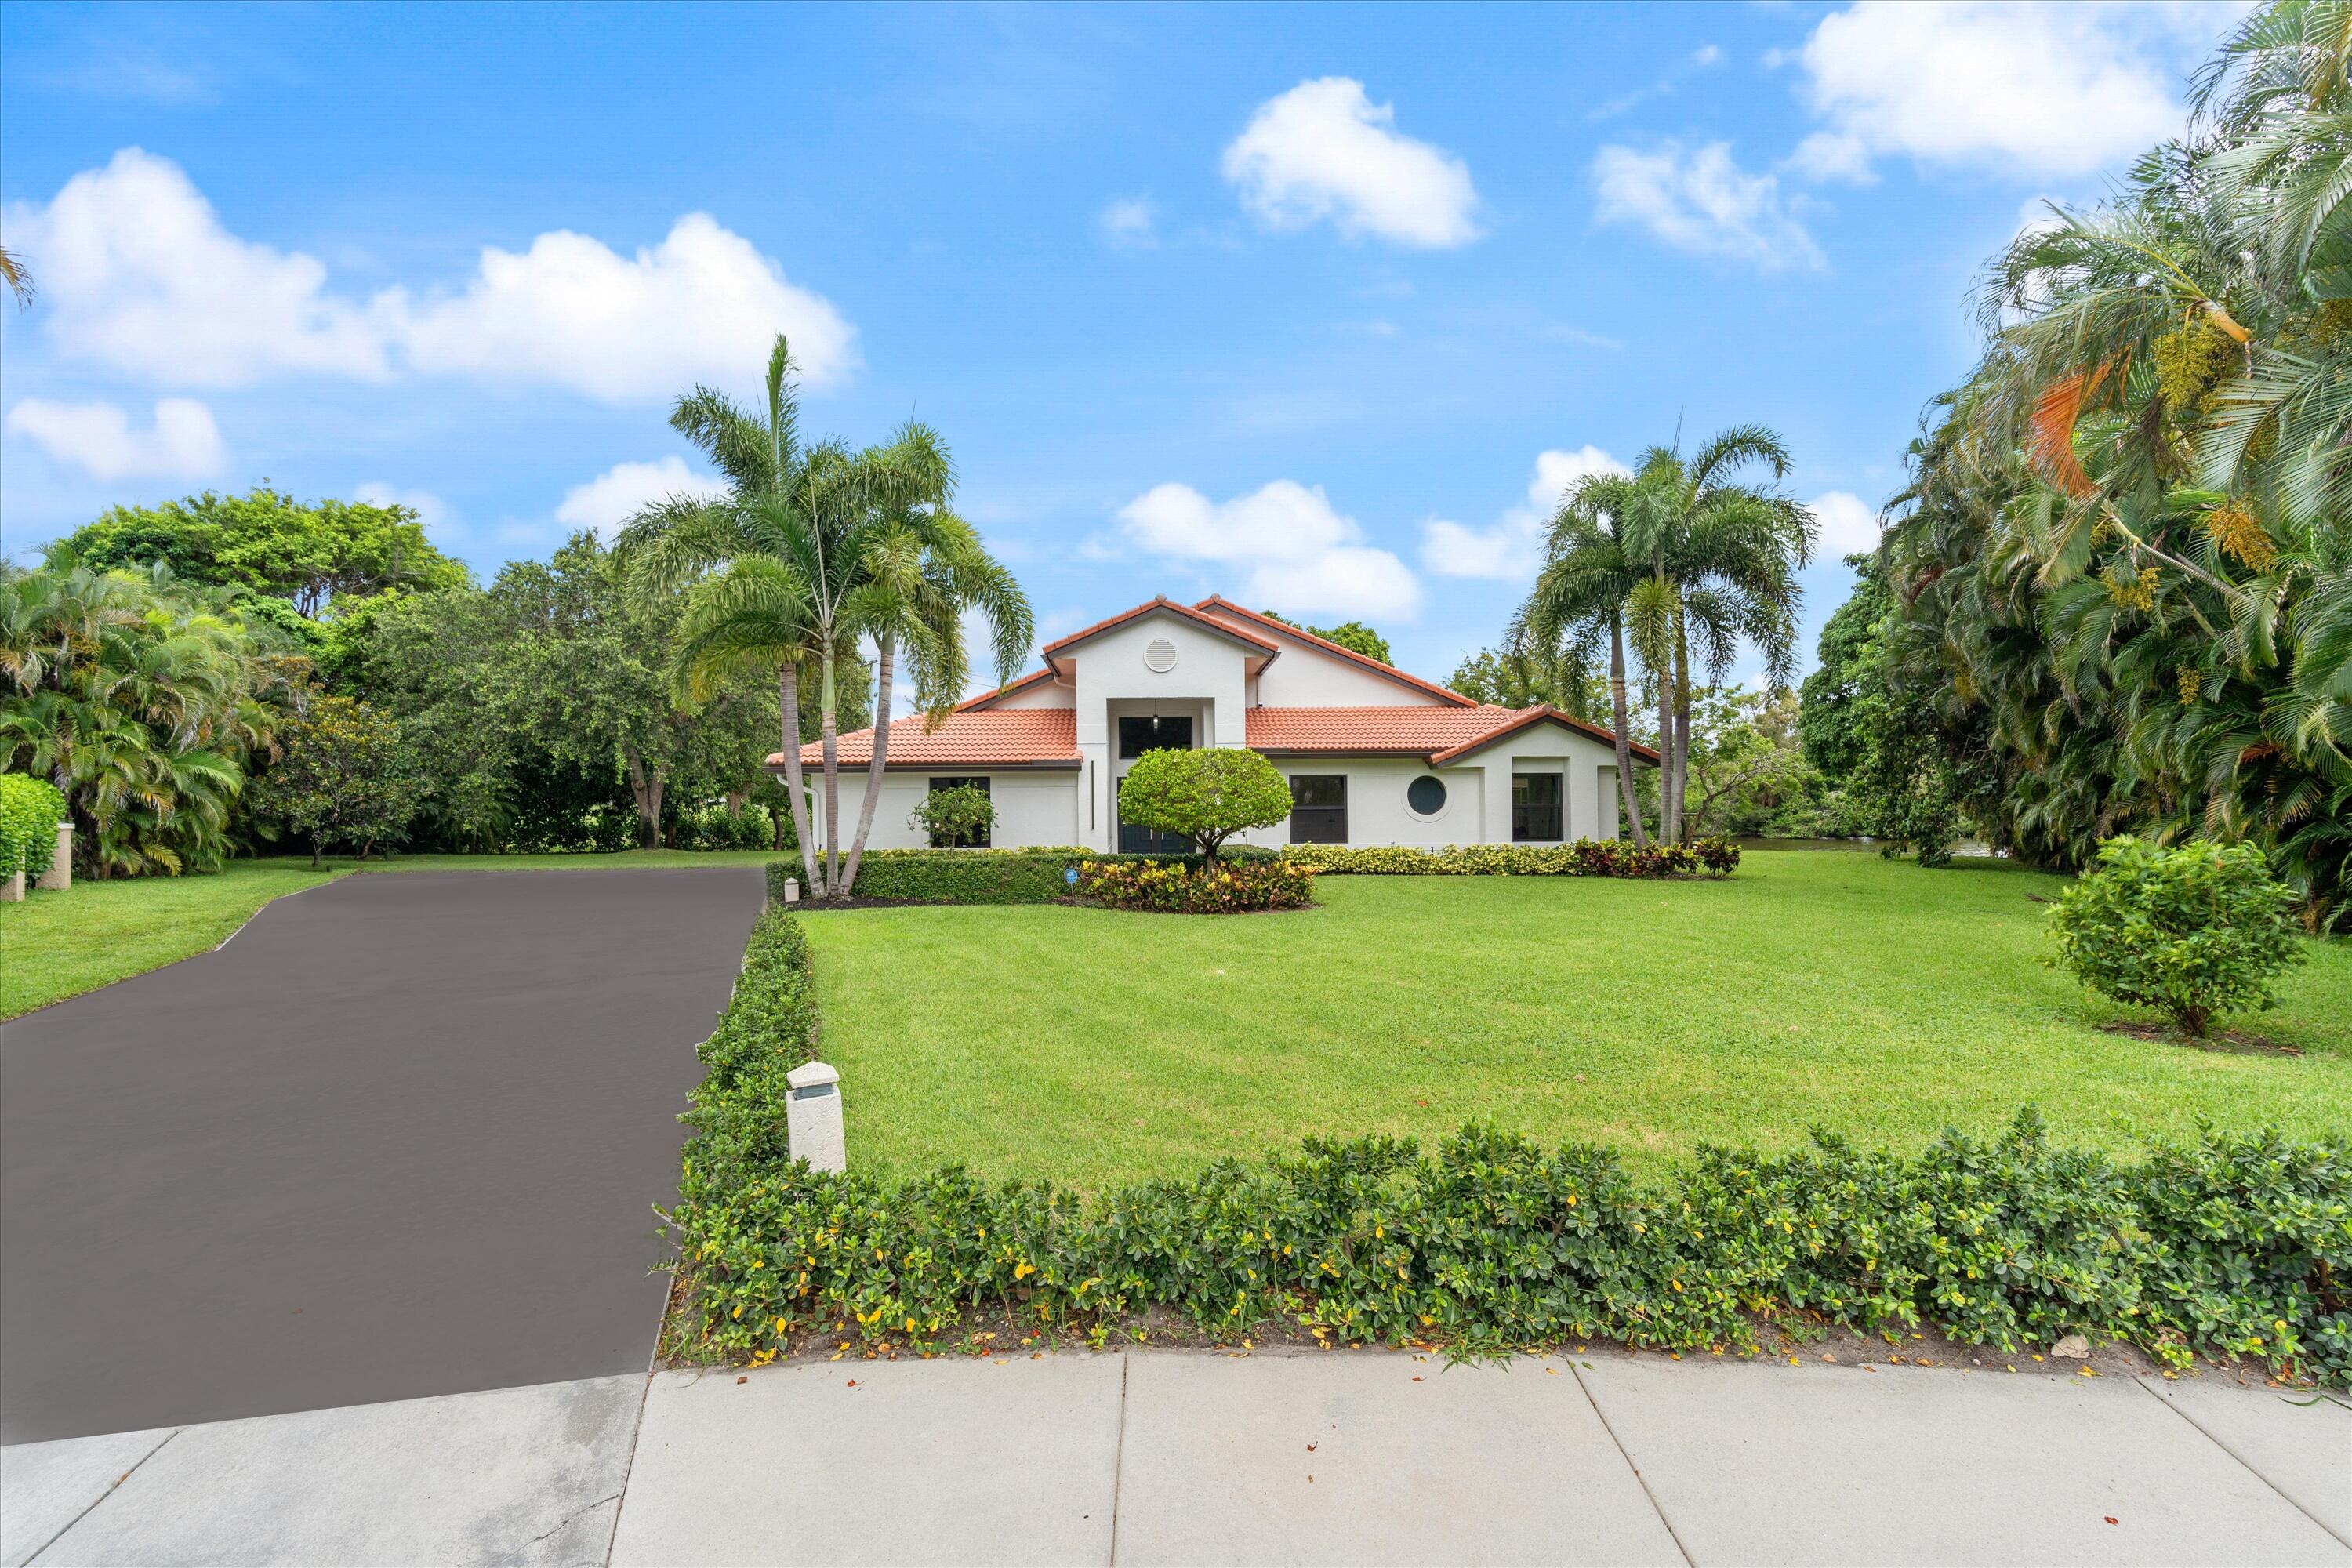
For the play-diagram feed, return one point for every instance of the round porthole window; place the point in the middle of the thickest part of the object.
(1160, 658)
(1426, 795)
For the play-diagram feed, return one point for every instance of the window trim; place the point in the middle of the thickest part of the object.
(1444, 799)
(1557, 807)
(1340, 809)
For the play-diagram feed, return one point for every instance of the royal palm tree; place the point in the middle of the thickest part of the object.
(814, 552)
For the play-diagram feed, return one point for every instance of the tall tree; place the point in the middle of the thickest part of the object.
(814, 550)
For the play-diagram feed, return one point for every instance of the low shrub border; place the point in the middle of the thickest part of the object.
(1585, 858)
(1220, 888)
(980, 876)
(2236, 1244)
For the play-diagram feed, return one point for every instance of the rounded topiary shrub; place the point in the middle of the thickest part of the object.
(2196, 931)
(30, 810)
(1208, 796)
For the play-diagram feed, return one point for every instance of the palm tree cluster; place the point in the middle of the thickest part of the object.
(2121, 580)
(1684, 555)
(817, 553)
(146, 700)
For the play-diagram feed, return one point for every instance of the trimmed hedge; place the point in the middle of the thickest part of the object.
(30, 810)
(1585, 858)
(2237, 1244)
(1227, 887)
(977, 876)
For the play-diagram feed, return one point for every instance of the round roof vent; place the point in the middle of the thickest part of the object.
(1159, 656)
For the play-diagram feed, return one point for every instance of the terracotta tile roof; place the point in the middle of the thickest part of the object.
(993, 737)
(1007, 690)
(1224, 628)
(1225, 609)
(1441, 734)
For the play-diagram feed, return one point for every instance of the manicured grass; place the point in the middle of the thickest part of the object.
(1815, 988)
(56, 946)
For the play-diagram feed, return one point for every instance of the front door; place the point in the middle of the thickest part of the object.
(1138, 733)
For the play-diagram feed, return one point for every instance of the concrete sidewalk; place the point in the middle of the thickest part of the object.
(1171, 1456)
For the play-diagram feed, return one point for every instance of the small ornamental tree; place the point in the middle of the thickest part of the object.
(960, 815)
(2196, 931)
(341, 775)
(30, 810)
(1206, 796)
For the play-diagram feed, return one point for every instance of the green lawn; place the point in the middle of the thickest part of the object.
(56, 946)
(1828, 988)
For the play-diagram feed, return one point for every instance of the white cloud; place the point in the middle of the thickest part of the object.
(700, 307)
(1707, 55)
(1127, 224)
(431, 510)
(1324, 150)
(1512, 548)
(621, 491)
(2048, 90)
(181, 443)
(1848, 523)
(139, 276)
(1292, 552)
(1702, 202)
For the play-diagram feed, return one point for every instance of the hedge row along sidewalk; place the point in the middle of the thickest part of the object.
(2238, 1244)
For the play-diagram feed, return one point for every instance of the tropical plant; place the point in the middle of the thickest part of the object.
(146, 700)
(957, 817)
(815, 550)
(1523, 677)
(30, 810)
(2194, 930)
(13, 274)
(1207, 795)
(341, 776)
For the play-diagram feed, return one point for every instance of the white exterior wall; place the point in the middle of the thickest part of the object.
(1208, 681)
(1034, 807)
(1043, 694)
(1308, 677)
(1477, 792)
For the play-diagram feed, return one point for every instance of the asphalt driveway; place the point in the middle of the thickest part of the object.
(398, 1136)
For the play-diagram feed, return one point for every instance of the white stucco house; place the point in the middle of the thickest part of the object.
(1373, 756)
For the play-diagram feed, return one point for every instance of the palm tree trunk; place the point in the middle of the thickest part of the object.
(788, 699)
(829, 733)
(885, 654)
(1617, 712)
(1666, 752)
(1682, 732)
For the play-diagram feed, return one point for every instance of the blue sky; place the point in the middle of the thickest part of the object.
(1307, 306)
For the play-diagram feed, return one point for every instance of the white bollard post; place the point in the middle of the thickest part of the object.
(59, 875)
(813, 1117)
(792, 889)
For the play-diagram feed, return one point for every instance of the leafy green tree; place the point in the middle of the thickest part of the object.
(814, 550)
(1850, 654)
(341, 776)
(2194, 930)
(1353, 635)
(1749, 771)
(1510, 676)
(308, 552)
(956, 817)
(1208, 796)
(145, 700)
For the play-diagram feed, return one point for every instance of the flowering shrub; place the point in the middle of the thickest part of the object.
(1209, 887)
(1585, 858)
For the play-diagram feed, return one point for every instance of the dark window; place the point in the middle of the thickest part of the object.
(1140, 733)
(1136, 840)
(1318, 809)
(1534, 807)
(1426, 795)
(969, 841)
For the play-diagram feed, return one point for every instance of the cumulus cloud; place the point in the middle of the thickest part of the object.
(621, 491)
(1848, 524)
(1703, 201)
(1512, 548)
(140, 275)
(1324, 150)
(431, 510)
(1284, 545)
(181, 443)
(2049, 91)
(1127, 224)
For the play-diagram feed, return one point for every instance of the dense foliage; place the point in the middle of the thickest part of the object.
(2236, 1245)
(1585, 858)
(1512, 676)
(958, 816)
(30, 810)
(1219, 887)
(2195, 930)
(341, 776)
(1206, 796)
(2120, 581)
(1353, 635)
(1028, 876)
(147, 700)
(307, 553)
